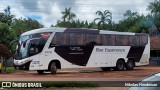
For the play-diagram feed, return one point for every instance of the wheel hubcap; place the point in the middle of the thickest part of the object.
(130, 64)
(120, 66)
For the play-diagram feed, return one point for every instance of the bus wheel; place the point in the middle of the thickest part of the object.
(120, 65)
(40, 71)
(105, 68)
(53, 68)
(130, 65)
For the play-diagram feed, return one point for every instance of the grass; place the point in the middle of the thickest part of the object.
(12, 70)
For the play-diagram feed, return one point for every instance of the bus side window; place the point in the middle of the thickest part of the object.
(57, 39)
(60, 39)
(66, 38)
(90, 39)
(76, 39)
(125, 41)
(134, 40)
(119, 39)
(122, 40)
(143, 40)
(104, 40)
(108, 40)
(98, 40)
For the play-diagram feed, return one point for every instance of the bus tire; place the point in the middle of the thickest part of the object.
(40, 71)
(130, 65)
(105, 68)
(53, 68)
(120, 65)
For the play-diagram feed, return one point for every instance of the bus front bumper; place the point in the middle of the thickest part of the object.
(24, 66)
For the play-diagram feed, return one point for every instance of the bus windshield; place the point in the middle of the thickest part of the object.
(30, 45)
(22, 50)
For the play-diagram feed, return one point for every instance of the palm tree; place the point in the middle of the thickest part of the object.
(7, 10)
(130, 14)
(67, 14)
(154, 7)
(105, 17)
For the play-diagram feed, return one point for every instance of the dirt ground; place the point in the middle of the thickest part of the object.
(137, 73)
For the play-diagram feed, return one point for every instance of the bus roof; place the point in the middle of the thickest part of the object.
(84, 30)
(51, 29)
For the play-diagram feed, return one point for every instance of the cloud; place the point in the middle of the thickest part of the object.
(49, 11)
(17, 11)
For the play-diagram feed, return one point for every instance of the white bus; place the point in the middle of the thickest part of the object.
(49, 49)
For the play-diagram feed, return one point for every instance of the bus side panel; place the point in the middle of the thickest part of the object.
(145, 56)
(107, 56)
(52, 55)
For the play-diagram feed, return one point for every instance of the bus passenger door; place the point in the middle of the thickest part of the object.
(34, 54)
(44, 52)
(46, 57)
(35, 62)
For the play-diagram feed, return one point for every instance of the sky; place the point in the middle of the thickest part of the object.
(48, 12)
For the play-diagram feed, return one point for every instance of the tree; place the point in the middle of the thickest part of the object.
(68, 15)
(105, 18)
(5, 18)
(68, 19)
(5, 27)
(130, 14)
(154, 8)
(63, 24)
(22, 25)
(137, 24)
(11, 27)
(7, 10)
(4, 33)
(86, 24)
(92, 25)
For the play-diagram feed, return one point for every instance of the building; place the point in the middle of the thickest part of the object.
(155, 50)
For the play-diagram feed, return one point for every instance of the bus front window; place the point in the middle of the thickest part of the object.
(23, 38)
(22, 51)
(32, 44)
(30, 47)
